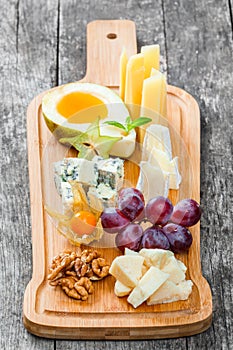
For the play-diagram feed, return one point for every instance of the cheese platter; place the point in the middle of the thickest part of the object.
(48, 311)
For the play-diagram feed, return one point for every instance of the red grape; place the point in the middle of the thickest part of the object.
(131, 206)
(113, 220)
(159, 210)
(155, 238)
(130, 190)
(130, 237)
(187, 212)
(180, 237)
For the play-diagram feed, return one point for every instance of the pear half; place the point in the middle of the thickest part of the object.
(69, 109)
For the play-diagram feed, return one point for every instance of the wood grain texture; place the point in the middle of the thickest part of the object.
(31, 27)
(48, 312)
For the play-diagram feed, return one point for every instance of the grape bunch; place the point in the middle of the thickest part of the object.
(168, 228)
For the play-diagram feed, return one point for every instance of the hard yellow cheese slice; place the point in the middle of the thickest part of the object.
(148, 284)
(133, 84)
(127, 269)
(154, 97)
(123, 65)
(151, 58)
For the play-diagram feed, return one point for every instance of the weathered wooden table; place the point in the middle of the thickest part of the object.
(42, 45)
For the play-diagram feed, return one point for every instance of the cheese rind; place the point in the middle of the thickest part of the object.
(170, 292)
(147, 285)
(127, 269)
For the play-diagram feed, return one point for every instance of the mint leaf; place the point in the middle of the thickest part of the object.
(138, 122)
(116, 124)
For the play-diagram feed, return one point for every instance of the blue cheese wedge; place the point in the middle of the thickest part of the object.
(100, 177)
(110, 172)
(75, 169)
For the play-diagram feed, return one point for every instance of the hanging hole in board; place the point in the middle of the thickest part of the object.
(111, 36)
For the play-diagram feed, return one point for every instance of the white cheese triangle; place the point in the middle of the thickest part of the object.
(169, 292)
(147, 285)
(157, 136)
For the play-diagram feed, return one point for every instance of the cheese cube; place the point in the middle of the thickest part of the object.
(127, 269)
(121, 290)
(173, 269)
(170, 292)
(110, 172)
(155, 257)
(147, 285)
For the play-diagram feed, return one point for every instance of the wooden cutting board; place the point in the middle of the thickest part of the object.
(47, 311)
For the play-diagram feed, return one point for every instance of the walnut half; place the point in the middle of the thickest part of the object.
(75, 271)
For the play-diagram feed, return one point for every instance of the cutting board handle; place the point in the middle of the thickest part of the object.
(105, 41)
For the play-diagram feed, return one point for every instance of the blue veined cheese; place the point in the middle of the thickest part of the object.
(100, 177)
(110, 172)
(67, 196)
(75, 169)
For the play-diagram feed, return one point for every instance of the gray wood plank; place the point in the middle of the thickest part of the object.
(199, 42)
(28, 66)
(74, 17)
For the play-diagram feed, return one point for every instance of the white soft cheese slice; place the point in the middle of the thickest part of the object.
(121, 290)
(155, 257)
(152, 182)
(127, 269)
(170, 292)
(174, 270)
(168, 167)
(147, 285)
(157, 136)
